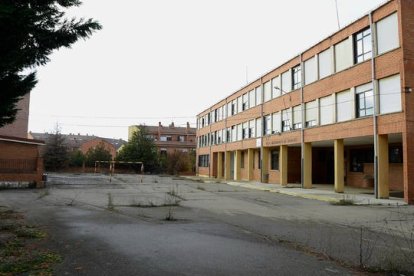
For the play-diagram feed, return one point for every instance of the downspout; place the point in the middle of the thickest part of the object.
(211, 142)
(262, 130)
(302, 130)
(375, 90)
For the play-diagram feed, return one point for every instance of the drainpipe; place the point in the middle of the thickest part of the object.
(302, 130)
(375, 90)
(211, 142)
(261, 134)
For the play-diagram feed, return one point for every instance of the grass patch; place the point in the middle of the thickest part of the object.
(20, 253)
(343, 202)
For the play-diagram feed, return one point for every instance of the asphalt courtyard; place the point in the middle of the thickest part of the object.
(153, 225)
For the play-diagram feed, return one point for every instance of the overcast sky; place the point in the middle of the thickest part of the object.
(163, 60)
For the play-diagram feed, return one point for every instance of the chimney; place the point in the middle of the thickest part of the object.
(188, 125)
(159, 124)
(172, 124)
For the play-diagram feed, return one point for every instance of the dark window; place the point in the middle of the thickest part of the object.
(395, 154)
(203, 160)
(259, 160)
(364, 103)
(228, 135)
(233, 109)
(242, 160)
(362, 46)
(274, 160)
(169, 138)
(296, 77)
(359, 157)
(285, 125)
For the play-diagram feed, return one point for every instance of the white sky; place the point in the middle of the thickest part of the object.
(163, 60)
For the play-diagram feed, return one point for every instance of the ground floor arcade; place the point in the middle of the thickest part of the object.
(339, 163)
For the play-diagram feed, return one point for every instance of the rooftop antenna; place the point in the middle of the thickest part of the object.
(247, 75)
(337, 14)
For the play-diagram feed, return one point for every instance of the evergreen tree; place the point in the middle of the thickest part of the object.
(76, 159)
(30, 31)
(56, 155)
(140, 148)
(98, 153)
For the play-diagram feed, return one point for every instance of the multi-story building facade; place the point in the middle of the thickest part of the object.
(340, 113)
(169, 138)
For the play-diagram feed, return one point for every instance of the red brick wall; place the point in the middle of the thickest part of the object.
(94, 143)
(19, 127)
(19, 152)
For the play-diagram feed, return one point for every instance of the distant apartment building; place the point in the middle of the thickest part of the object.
(169, 138)
(339, 113)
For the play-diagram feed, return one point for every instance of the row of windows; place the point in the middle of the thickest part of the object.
(353, 50)
(353, 103)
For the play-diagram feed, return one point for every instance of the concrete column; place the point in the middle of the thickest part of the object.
(227, 168)
(237, 165)
(219, 165)
(283, 165)
(250, 160)
(383, 167)
(265, 165)
(339, 165)
(307, 166)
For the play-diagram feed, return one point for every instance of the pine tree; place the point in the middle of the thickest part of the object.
(56, 156)
(30, 30)
(141, 148)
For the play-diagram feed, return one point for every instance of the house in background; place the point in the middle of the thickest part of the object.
(169, 138)
(20, 157)
(83, 142)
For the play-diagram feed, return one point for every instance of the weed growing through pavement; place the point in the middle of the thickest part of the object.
(43, 194)
(110, 206)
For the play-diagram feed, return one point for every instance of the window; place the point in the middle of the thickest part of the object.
(258, 95)
(297, 117)
(229, 109)
(228, 135)
(203, 160)
(252, 129)
(242, 160)
(274, 160)
(362, 46)
(245, 104)
(311, 71)
(326, 110)
(181, 138)
(285, 120)
(364, 104)
(267, 94)
(259, 160)
(390, 94)
(219, 137)
(343, 55)
(245, 131)
(233, 134)
(296, 77)
(311, 113)
(239, 104)
(208, 118)
(202, 122)
(359, 157)
(286, 82)
(343, 106)
(276, 123)
(395, 154)
(252, 99)
(325, 63)
(163, 151)
(169, 138)
(387, 34)
(276, 87)
(259, 132)
(239, 132)
(268, 125)
(234, 107)
(163, 138)
(224, 111)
